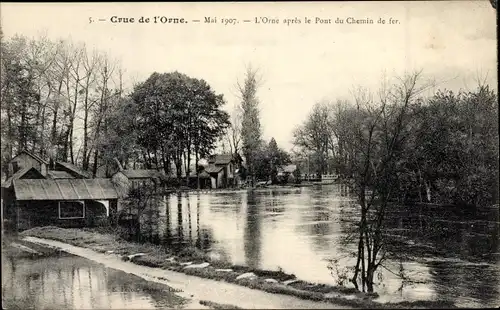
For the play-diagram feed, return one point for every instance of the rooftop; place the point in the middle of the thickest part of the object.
(74, 169)
(19, 174)
(221, 159)
(68, 189)
(142, 173)
(213, 168)
(54, 174)
(38, 158)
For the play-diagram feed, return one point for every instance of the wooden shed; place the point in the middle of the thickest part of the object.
(63, 202)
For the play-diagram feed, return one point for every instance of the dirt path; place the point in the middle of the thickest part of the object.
(191, 287)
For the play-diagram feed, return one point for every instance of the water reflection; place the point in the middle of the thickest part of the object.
(252, 237)
(69, 282)
(298, 229)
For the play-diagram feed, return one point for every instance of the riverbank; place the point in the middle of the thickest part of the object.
(191, 261)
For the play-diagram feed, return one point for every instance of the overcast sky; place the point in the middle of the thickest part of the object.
(454, 42)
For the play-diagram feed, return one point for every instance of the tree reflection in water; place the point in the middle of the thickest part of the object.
(252, 235)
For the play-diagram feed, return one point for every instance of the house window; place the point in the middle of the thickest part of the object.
(71, 209)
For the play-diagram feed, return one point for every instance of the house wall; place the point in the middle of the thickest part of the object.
(230, 170)
(23, 161)
(30, 214)
(220, 179)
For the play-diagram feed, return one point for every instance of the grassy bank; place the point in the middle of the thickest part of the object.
(182, 261)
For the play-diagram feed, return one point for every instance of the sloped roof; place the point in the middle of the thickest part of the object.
(36, 157)
(213, 168)
(69, 189)
(19, 174)
(74, 169)
(203, 175)
(221, 159)
(287, 168)
(142, 173)
(54, 174)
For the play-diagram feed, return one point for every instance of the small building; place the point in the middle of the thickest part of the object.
(27, 159)
(217, 177)
(205, 180)
(61, 202)
(223, 168)
(139, 177)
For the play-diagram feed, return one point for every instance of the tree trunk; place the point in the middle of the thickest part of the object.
(94, 169)
(197, 170)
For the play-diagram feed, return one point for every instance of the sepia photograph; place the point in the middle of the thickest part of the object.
(250, 155)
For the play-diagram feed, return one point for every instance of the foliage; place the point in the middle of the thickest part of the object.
(401, 147)
(47, 87)
(250, 127)
(63, 101)
(177, 116)
(315, 137)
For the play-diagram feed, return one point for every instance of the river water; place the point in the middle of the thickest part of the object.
(446, 255)
(65, 281)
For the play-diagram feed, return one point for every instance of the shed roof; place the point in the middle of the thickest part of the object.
(36, 157)
(72, 168)
(213, 168)
(142, 173)
(203, 175)
(221, 159)
(54, 174)
(19, 174)
(69, 189)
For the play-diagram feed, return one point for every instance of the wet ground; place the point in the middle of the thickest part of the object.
(91, 280)
(447, 255)
(58, 280)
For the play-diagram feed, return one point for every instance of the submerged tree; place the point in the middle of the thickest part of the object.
(374, 140)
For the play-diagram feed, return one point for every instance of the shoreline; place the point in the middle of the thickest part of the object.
(193, 262)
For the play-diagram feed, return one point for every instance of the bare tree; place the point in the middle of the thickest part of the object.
(233, 134)
(373, 138)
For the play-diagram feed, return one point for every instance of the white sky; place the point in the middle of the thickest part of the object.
(453, 41)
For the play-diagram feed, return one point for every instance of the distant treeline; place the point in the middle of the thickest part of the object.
(441, 148)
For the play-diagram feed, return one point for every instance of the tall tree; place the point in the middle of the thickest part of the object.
(315, 137)
(233, 134)
(179, 117)
(250, 127)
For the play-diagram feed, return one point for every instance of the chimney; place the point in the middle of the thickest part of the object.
(120, 168)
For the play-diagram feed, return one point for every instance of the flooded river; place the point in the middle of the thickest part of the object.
(446, 256)
(65, 281)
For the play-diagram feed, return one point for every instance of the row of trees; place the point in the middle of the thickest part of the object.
(399, 146)
(50, 90)
(65, 102)
(450, 140)
(62, 101)
(171, 118)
